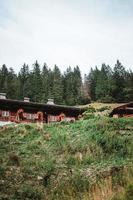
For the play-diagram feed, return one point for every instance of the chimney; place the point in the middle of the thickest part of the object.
(50, 102)
(26, 99)
(2, 95)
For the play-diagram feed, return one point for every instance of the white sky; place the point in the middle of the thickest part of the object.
(66, 33)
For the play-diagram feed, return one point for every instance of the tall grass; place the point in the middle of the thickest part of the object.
(63, 161)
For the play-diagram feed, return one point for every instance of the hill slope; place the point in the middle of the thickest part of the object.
(88, 159)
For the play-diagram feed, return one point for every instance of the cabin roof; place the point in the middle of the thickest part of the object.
(33, 107)
(126, 108)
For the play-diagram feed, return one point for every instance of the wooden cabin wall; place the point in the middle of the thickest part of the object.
(33, 117)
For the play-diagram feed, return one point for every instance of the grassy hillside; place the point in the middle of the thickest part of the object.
(98, 105)
(102, 109)
(88, 159)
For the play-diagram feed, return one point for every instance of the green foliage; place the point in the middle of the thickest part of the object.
(2, 171)
(63, 161)
(73, 93)
(23, 81)
(57, 85)
(26, 191)
(129, 192)
(103, 108)
(89, 113)
(127, 195)
(41, 84)
(107, 85)
(91, 110)
(104, 85)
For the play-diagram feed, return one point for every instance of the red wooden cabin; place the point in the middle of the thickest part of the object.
(26, 111)
(125, 110)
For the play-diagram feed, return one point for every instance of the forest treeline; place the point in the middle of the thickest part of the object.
(110, 85)
(41, 83)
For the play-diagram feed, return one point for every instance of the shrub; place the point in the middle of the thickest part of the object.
(2, 171)
(129, 192)
(89, 113)
(27, 192)
(103, 108)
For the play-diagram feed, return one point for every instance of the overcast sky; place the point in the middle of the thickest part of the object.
(66, 32)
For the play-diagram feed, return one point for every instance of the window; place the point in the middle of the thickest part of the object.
(5, 114)
(30, 116)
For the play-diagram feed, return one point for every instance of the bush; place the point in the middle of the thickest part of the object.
(129, 192)
(89, 113)
(84, 100)
(107, 99)
(2, 171)
(103, 108)
(27, 192)
(91, 110)
(127, 196)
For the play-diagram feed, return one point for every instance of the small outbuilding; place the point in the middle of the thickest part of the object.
(125, 110)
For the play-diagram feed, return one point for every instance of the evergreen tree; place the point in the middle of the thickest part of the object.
(73, 87)
(86, 86)
(57, 86)
(128, 90)
(50, 84)
(119, 82)
(45, 82)
(68, 87)
(77, 85)
(3, 78)
(104, 84)
(36, 82)
(23, 81)
(92, 80)
(12, 85)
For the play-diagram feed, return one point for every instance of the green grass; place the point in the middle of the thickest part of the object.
(64, 160)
